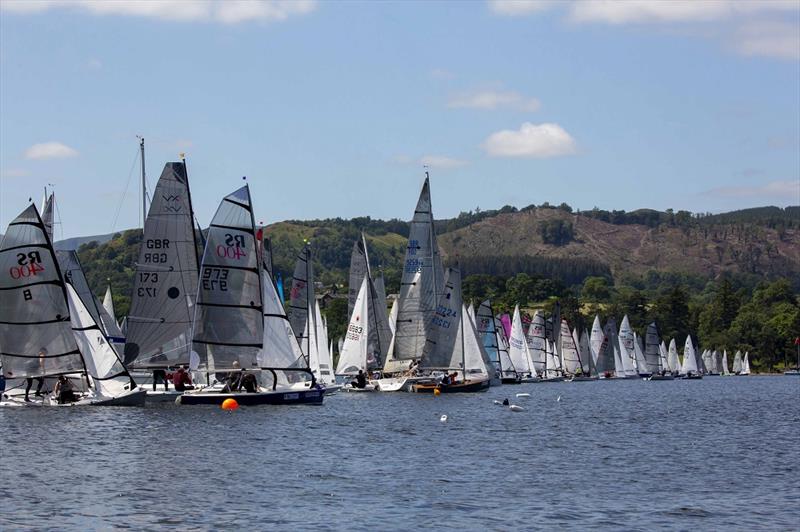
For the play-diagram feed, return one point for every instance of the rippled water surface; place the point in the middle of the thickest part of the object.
(720, 453)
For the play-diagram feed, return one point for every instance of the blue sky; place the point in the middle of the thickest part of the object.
(332, 109)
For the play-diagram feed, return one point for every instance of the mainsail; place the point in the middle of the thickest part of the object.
(725, 370)
(674, 361)
(689, 359)
(445, 325)
(35, 332)
(354, 354)
(569, 350)
(538, 343)
(518, 346)
(420, 286)
(601, 354)
(301, 297)
(165, 283)
(652, 353)
(229, 325)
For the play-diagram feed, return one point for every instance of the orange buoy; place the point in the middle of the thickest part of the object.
(436, 391)
(230, 404)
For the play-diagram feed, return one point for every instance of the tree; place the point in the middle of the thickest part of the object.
(595, 290)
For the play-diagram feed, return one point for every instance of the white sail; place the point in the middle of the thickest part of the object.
(627, 351)
(641, 361)
(663, 357)
(537, 341)
(507, 368)
(280, 347)
(474, 359)
(725, 370)
(569, 350)
(421, 285)
(445, 326)
(109, 376)
(518, 345)
(746, 364)
(108, 303)
(552, 362)
(737, 363)
(689, 365)
(610, 331)
(674, 361)
(598, 346)
(587, 361)
(353, 354)
(324, 371)
(393, 316)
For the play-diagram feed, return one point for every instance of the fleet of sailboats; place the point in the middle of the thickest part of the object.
(222, 317)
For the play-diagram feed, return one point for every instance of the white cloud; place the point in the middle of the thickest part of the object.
(766, 28)
(519, 7)
(224, 11)
(537, 141)
(784, 190)
(14, 172)
(768, 39)
(441, 162)
(50, 150)
(490, 100)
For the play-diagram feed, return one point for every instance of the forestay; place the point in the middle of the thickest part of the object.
(35, 333)
(228, 324)
(165, 282)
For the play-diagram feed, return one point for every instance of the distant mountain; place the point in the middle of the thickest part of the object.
(76, 242)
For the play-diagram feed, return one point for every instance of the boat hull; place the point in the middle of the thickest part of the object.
(369, 388)
(553, 379)
(462, 387)
(253, 399)
(510, 380)
(692, 377)
(662, 378)
(584, 379)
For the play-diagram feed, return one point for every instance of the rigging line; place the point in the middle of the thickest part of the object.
(125, 192)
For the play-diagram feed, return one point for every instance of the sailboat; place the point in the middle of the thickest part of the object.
(73, 273)
(725, 371)
(519, 350)
(599, 348)
(508, 372)
(45, 329)
(656, 355)
(483, 320)
(380, 332)
(355, 354)
(421, 285)
(672, 356)
(233, 315)
(323, 370)
(689, 369)
(627, 350)
(745, 364)
(588, 368)
(642, 367)
(165, 284)
(453, 345)
(572, 365)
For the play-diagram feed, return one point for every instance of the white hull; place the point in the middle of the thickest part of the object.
(131, 398)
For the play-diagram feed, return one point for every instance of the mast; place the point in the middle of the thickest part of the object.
(191, 206)
(144, 182)
(463, 346)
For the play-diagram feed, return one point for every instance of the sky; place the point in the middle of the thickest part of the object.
(336, 109)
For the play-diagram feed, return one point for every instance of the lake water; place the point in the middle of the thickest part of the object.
(719, 453)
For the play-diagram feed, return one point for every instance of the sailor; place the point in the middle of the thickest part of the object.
(360, 380)
(234, 379)
(64, 391)
(181, 380)
(505, 402)
(160, 375)
(249, 382)
(40, 380)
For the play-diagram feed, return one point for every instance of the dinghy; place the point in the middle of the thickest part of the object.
(602, 356)
(745, 364)
(627, 349)
(689, 368)
(46, 331)
(589, 370)
(236, 313)
(164, 286)
(519, 351)
(421, 285)
(494, 344)
(453, 345)
(656, 355)
(355, 355)
(725, 371)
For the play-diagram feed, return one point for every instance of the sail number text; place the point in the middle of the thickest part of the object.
(215, 279)
(147, 291)
(30, 264)
(232, 248)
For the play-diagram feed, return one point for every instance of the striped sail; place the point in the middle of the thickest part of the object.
(229, 324)
(165, 283)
